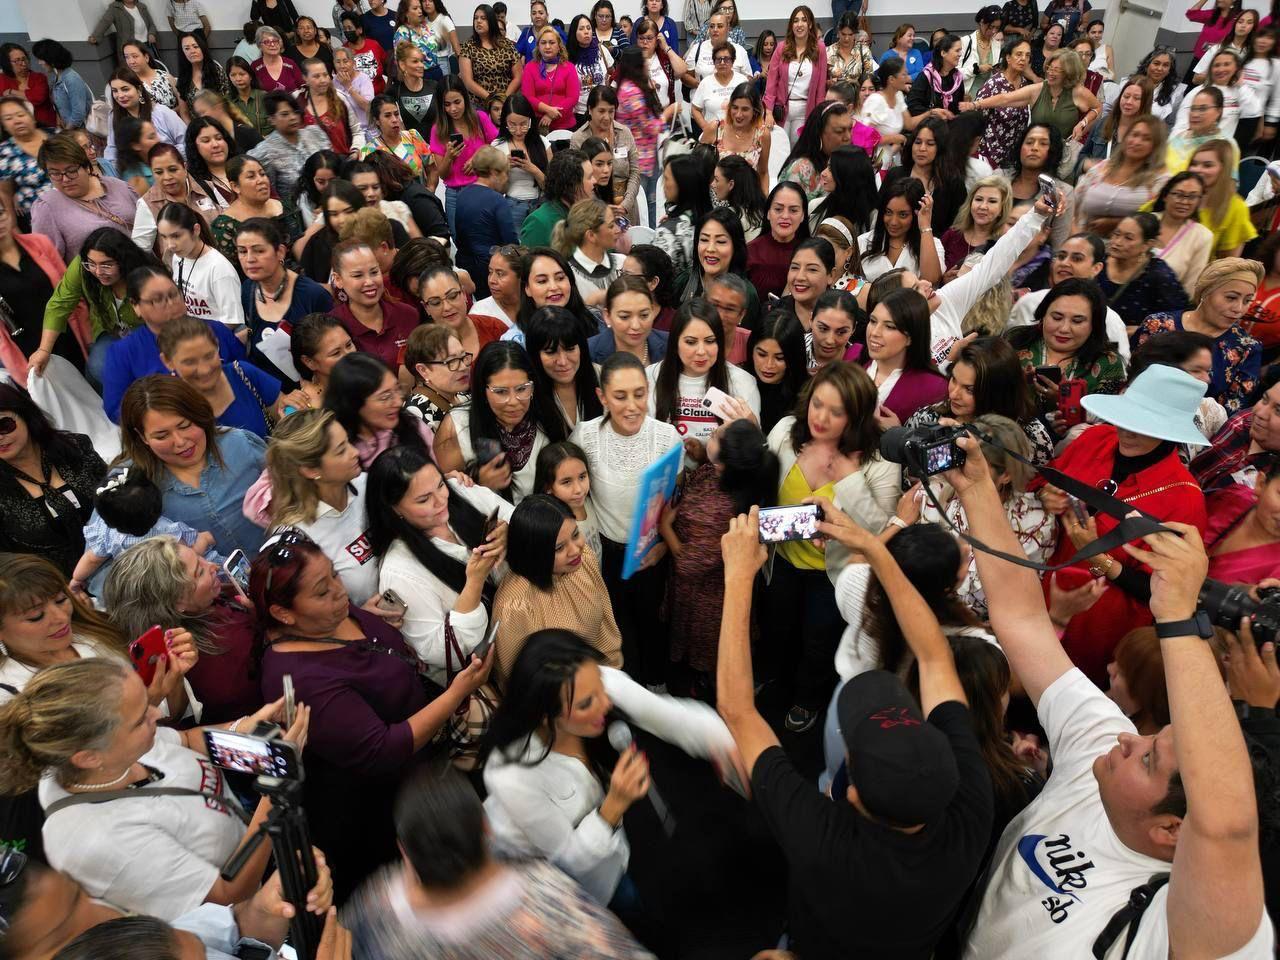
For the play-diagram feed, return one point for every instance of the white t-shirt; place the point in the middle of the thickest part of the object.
(442, 26)
(17, 675)
(799, 76)
(342, 535)
(1060, 872)
(153, 855)
(691, 418)
(139, 24)
(210, 286)
(872, 267)
(521, 185)
(658, 77)
(712, 97)
(704, 67)
(489, 307)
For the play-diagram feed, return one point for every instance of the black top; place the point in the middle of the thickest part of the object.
(29, 522)
(417, 109)
(26, 291)
(317, 256)
(861, 889)
(325, 53)
(922, 97)
(425, 208)
(282, 17)
(246, 137)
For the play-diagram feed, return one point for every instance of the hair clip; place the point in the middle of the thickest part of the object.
(114, 482)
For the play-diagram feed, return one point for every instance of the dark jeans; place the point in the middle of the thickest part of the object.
(635, 606)
(803, 628)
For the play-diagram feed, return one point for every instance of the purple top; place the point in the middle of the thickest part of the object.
(915, 389)
(360, 699)
(69, 222)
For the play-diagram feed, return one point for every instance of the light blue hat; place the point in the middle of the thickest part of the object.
(1160, 402)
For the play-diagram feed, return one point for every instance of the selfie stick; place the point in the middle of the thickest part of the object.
(291, 844)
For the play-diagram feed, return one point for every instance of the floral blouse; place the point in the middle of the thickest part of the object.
(633, 113)
(1237, 359)
(1104, 375)
(161, 90)
(1037, 433)
(1005, 126)
(412, 149)
(29, 180)
(490, 67)
(803, 172)
(424, 38)
(859, 64)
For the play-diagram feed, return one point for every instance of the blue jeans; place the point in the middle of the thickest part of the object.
(651, 195)
(519, 210)
(451, 210)
(838, 9)
(97, 361)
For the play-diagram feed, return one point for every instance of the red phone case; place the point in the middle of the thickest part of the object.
(146, 651)
(1070, 393)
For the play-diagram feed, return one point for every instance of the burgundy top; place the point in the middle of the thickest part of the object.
(360, 699)
(767, 264)
(398, 321)
(226, 683)
(290, 78)
(915, 389)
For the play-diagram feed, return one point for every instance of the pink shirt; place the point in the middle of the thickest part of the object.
(456, 178)
(1211, 34)
(559, 89)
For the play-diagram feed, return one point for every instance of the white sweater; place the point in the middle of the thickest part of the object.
(617, 463)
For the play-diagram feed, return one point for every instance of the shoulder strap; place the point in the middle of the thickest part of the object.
(1130, 915)
(107, 795)
(266, 414)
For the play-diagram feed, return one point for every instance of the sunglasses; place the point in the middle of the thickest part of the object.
(280, 550)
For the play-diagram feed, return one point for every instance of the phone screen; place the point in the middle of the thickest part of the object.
(487, 642)
(252, 755)
(237, 568)
(781, 524)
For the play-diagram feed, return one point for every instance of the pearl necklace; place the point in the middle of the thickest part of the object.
(107, 786)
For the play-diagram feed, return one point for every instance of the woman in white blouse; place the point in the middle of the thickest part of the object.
(546, 773)
(620, 446)
(438, 554)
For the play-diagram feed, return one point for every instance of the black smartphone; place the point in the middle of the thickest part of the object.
(517, 154)
(1053, 373)
(487, 642)
(489, 524)
(456, 138)
(486, 449)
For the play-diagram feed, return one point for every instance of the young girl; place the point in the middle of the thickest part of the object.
(208, 282)
(562, 472)
(694, 363)
(128, 510)
(903, 236)
(619, 447)
(739, 472)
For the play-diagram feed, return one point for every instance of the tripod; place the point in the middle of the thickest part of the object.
(291, 844)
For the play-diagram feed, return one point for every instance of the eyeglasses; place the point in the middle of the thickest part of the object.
(8, 425)
(59, 175)
(454, 364)
(435, 303)
(280, 549)
(722, 59)
(12, 862)
(511, 250)
(1202, 108)
(522, 392)
(96, 265)
(166, 298)
(388, 396)
(1179, 195)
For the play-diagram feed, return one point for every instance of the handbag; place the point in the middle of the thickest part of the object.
(98, 120)
(470, 722)
(266, 413)
(678, 139)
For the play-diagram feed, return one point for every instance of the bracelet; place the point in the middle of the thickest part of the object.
(896, 521)
(926, 229)
(235, 726)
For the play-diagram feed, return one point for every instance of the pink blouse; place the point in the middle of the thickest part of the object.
(560, 90)
(1227, 507)
(456, 178)
(634, 114)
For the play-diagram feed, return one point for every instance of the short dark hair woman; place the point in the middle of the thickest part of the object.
(564, 379)
(776, 357)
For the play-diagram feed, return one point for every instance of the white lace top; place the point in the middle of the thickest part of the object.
(616, 464)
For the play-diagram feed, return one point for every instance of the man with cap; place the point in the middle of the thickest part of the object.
(1174, 813)
(878, 869)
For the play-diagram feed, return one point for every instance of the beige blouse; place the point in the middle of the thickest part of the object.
(1188, 253)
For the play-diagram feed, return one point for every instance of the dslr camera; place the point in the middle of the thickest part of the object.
(925, 450)
(1227, 605)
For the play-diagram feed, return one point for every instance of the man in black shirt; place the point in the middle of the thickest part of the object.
(880, 870)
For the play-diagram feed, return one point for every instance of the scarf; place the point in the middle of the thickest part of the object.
(936, 81)
(517, 444)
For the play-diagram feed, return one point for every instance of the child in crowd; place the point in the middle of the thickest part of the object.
(563, 473)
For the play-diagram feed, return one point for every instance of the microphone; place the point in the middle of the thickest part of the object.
(620, 739)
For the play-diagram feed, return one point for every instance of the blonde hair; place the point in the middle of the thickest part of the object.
(584, 216)
(964, 218)
(146, 585)
(28, 581)
(404, 48)
(488, 160)
(1072, 67)
(563, 55)
(989, 314)
(63, 709)
(368, 226)
(1217, 199)
(299, 442)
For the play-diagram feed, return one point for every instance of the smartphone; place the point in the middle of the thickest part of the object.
(717, 401)
(456, 138)
(490, 523)
(1053, 373)
(290, 706)
(782, 524)
(1079, 509)
(1049, 189)
(391, 602)
(146, 653)
(1072, 578)
(236, 567)
(486, 449)
(1070, 395)
(258, 756)
(517, 154)
(483, 649)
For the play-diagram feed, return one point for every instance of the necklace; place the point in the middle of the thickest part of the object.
(107, 786)
(264, 297)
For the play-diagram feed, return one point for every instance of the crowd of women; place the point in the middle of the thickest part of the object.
(400, 326)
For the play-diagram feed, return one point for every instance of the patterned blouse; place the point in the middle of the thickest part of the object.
(412, 149)
(1005, 126)
(424, 38)
(752, 156)
(1237, 359)
(28, 179)
(1104, 375)
(803, 172)
(161, 89)
(633, 113)
(859, 64)
(490, 67)
(1156, 289)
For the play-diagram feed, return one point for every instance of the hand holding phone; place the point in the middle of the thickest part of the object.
(146, 653)
(390, 602)
(483, 649)
(783, 524)
(719, 403)
(237, 567)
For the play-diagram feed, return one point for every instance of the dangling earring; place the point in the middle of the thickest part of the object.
(4, 651)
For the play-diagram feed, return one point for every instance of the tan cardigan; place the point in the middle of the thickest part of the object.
(577, 601)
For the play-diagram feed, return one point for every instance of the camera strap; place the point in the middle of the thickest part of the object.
(76, 798)
(1129, 528)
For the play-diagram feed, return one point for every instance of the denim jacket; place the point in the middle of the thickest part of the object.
(217, 504)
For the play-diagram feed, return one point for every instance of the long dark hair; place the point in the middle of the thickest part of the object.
(555, 328)
(728, 219)
(549, 460)
(534, 148)
(586, 319)
(1056, 146)
(909, 311)
(749, 469)
(802, 232)
(145, 100)
(452, 83)
(211, 73)
(664, 390)
(999, 385)
(1163, 94)
(630, 65)
(855, 194)
(493, 358)
(912, 191)
(196, 165)
(531, 541)
(539, 687)
(693, 194)
(746, 198)
(782, 326)
(320, 160)
(809, 144)
(1229, 15)
(352, 381)
(128, 129)
(389, 478)
(1095, 346)
(119, 248)
(581, 56)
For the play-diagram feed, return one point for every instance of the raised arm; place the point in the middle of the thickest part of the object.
(1014, 596)
(939, 681)
(1024, 96)
(1215, 888)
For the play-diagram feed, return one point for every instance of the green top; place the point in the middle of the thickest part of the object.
(537, 226)
(104, 314)
(1064, 115)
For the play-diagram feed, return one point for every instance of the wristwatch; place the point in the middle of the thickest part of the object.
(1247, 711)
(1198, 626)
